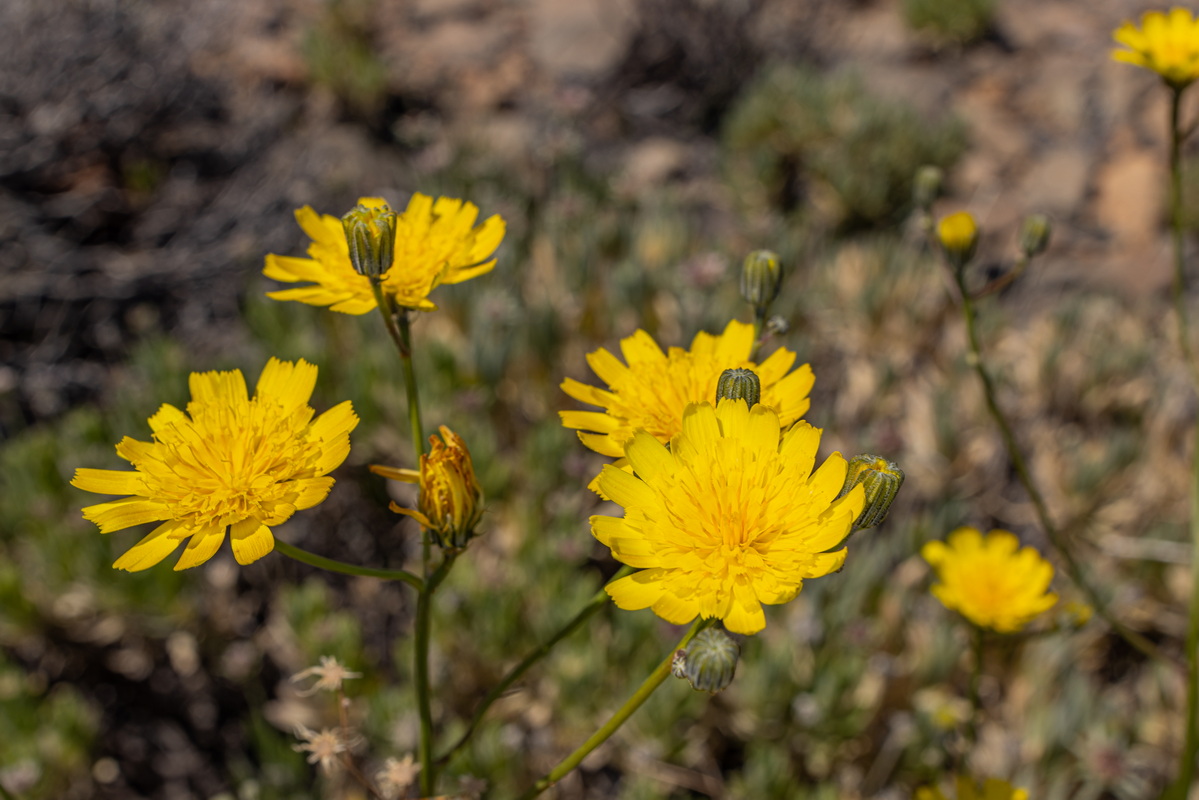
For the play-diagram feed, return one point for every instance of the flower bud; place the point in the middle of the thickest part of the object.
(371, 236)
(958, 234)
(761, 279)
(739, 384)
(880, 480)
(451, 500)
(1034, 235)
(709, 662)
(927, 186)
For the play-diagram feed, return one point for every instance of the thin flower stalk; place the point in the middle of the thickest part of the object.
(1190, 749)
(622, 714)
(1016, 456)
(976, 674)
(424, 603)
(332, 565)
(598, 601)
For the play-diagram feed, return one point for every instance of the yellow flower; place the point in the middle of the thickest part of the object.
(451, 500)
(651, 393)
(992, 789)
(436, 243)
(989, 579)
(727, 519)
(958, 234)
(1165, 44)
(229, 462)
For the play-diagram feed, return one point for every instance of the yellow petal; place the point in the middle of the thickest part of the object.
(650, 460)
(290, 384)
(251, 541)
(108, 481)
(204, 545)
(125, 513)
(639, 590)
(156, 546)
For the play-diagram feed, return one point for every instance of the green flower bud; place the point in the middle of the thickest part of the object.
(710, 661)
(881, 480)
(371, 236)
(927, 186)
(761, 279)
(1034, 235)
(739, 384)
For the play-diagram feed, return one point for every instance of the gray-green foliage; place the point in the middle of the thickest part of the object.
(961, 21)
(806, 138)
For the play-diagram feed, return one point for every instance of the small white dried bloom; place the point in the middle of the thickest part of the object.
(323, 747)
(329, 676)
(397, 775)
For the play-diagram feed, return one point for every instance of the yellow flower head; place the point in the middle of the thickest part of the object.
(436, 242)
(651, 393)
(958, 234)
(992, 789)
(727, 519)
(1165, 44)
(230, 462)
(451, 500)
(989, 579)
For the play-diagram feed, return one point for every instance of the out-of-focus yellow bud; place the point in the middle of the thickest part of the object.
(739, 384)
(709, 662)
(371, 236)
(1034, 235)
(451, 500)
(880, 479)
(761, 279)
(958, 234)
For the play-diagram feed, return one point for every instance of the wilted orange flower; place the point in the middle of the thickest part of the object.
(451, 500)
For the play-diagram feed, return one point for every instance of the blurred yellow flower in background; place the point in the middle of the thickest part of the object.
(989, 579)
(436, 242)
(230, 462)
(451, 500)
(967, 789)
(1165, 44)
(726, 520)
(651, 392)
(958, 235)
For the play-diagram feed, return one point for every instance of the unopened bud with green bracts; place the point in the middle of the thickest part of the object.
(1034, 235)
(880, 479)
(761, 279)
(371, 236)
(709, 662)
(739, 384)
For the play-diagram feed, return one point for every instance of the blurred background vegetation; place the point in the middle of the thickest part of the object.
(153, 153)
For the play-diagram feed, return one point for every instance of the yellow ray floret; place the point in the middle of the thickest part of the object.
(991, 580)
(652, 389)
(1167, 44)
(231, 462)
(436, 242)
(726, 520)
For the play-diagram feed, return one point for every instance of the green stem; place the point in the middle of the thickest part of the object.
(1179, 284)
(424, 604)
(975, 698)
(623, 713)
(597, 602)
(1073, 567)
(313, 560)
(1186, 768)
